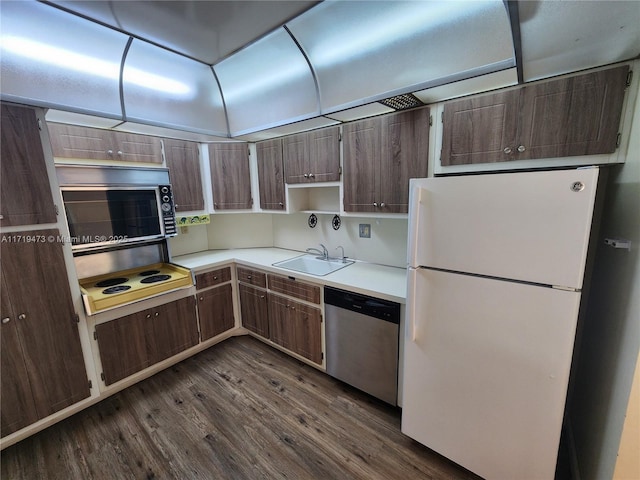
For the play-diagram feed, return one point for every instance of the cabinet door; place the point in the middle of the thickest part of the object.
(71, 141)
(230, 178)
(254, 309)
(46, 321)
(324, 154)
(25, 193)
(405, 154)
(362, 154)
(307, 327)
(132, 147)
(184, 168)
(296, 327)
(175, 328)
(125, 346)
(295, 156)
(16, 406)
(271, 174)
(572, 116)
(215, 311)
(281, 322)
(480, 129)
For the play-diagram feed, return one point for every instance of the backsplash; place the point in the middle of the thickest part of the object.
(387, 244)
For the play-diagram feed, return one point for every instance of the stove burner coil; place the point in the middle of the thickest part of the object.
(155, 278)
(116, 289)
(147, 273)
(110, 282)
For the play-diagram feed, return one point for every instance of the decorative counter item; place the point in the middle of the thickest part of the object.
(193, 220)
(336, 222)
(313, 220)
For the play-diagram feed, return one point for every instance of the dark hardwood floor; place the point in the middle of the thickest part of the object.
(239, 410)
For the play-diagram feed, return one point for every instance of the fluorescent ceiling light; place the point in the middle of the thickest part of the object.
(69, 60)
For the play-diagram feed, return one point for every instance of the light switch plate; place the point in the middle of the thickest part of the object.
(365, 230)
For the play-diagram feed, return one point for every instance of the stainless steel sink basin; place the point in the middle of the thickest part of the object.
(313, 265)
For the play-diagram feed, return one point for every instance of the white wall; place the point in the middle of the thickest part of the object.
(611, 338)
(194, 239)
(387, 245)
(240, 230)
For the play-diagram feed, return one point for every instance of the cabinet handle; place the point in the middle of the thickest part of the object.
(156, 314)
(248, 277)
(311, 175)
(279, 203)
(375, 204)
(215, 277)
(22, 316)
(507, 150)
(261, 296)
(6, 320)
(201, 299)
(148, 315)
(382, 205)
(119, 153)
(306, 175)
(110, 153)
(293, 308)
(521, 148)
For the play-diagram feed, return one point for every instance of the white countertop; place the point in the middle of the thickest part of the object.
(379, 281)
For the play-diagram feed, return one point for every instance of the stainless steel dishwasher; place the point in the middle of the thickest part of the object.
(362, 342)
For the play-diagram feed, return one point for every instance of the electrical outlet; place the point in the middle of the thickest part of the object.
(365, 230)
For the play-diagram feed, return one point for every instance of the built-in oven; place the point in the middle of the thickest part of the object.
(119, 219)
(107, 206)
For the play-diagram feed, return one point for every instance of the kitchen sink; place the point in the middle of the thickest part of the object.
(313, 265)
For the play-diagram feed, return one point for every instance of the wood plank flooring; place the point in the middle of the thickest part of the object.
(239, 410)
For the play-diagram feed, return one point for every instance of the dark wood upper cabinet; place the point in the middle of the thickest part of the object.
(480, 129)
(230, 176)
(41, 332)
(215, 311)
(25, 192)
(313, 156)
(571, 116)
(271, 174)
(381, 154)
(183, 163)
(71, 141)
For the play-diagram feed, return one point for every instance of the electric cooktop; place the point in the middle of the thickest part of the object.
(111, 290)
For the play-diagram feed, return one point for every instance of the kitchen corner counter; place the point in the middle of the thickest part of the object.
(380, 281)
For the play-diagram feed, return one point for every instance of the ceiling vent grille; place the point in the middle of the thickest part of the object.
(402, 102)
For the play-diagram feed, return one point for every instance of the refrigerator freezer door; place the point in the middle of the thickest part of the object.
(486, 367)
(529, 226)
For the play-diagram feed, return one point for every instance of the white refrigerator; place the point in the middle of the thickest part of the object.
(496, 267)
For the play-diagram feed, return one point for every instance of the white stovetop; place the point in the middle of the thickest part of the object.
(367, 278)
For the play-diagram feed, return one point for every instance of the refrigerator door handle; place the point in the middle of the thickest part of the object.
(418, 199)
(411, 310)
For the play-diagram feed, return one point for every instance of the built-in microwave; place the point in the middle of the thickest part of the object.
(115, 206)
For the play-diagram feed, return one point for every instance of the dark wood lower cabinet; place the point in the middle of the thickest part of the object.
(135, 342)
(125, 346)
(215, 311)
(43, 368)
(254, 309)
(296, 327)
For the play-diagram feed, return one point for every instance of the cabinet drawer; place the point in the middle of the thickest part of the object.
(294, 288)
(252, 277)
(214, 277)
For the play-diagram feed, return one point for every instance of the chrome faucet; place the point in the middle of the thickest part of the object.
(344, 259)
(324, 253)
